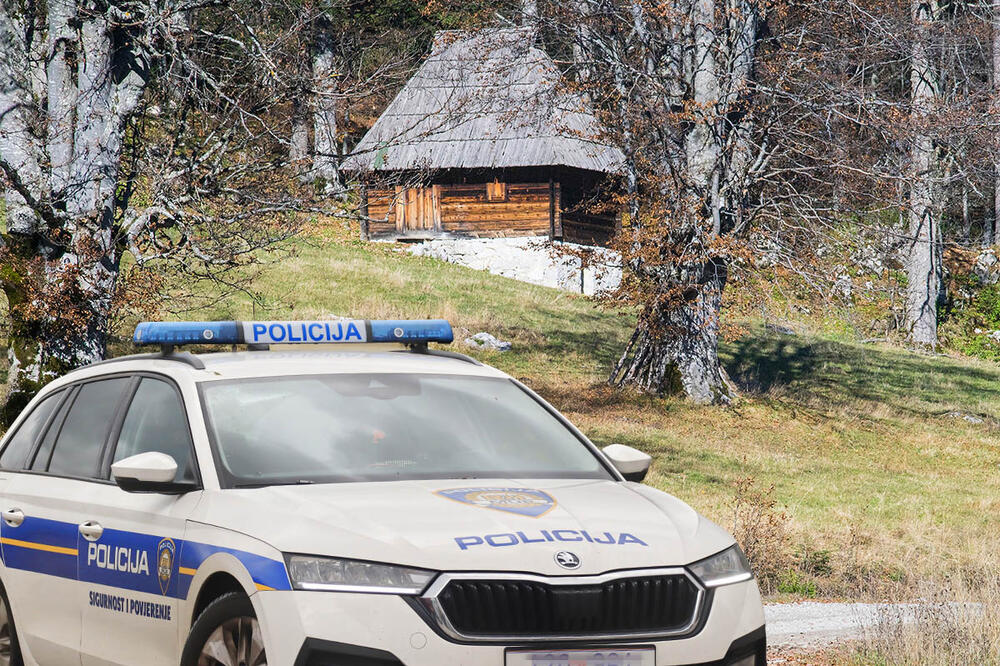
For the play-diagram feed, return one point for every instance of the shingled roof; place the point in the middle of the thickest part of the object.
(487, 99)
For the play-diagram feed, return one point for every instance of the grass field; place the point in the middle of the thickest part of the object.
(886, 463)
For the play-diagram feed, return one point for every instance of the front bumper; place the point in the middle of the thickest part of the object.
(326, 628)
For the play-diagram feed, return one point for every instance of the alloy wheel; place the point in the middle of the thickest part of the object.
(236, 642)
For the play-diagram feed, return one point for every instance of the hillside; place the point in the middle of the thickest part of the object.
(883, 462)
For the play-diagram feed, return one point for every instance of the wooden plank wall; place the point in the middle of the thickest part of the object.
(381, 212)
(588, 229)
(465, 210)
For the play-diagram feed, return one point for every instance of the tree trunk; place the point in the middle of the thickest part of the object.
(298, 147)
(923, 264)
(326, 160)
(991, 229)
(61, 94)
(302, 102)
(966, 216)
(680, 272)
(701, 145)
(676, 348)
(59, 273)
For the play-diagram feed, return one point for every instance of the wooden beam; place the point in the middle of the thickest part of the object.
(552, 209)
(364, 212)
(436, 205)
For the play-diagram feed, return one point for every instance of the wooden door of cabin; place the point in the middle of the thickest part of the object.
(418, 209)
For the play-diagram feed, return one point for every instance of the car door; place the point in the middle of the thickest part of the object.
(130, 551)
(19, 560)
(41, 519)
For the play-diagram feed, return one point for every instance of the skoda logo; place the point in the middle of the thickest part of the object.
(567, 560)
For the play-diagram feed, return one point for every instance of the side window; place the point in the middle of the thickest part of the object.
(156, 422)
(81, 439)
(19, 446)
(41, 461)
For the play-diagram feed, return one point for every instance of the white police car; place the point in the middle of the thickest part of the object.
(348, 507)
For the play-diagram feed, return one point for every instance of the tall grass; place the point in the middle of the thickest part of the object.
(961, 625)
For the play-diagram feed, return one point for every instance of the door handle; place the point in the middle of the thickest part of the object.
(13, 517)
(91, 531)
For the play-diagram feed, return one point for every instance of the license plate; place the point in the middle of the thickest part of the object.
(609, 657)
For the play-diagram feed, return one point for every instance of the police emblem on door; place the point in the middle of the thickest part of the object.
(523, 501)
(165, 556)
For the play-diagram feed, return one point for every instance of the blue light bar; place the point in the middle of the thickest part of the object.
(187, 332)
(411, 330)
(406, 331)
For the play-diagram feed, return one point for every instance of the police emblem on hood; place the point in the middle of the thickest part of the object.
(522, 501)
(165, 556)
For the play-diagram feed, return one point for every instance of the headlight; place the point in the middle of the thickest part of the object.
(725, 568)
(326, 573)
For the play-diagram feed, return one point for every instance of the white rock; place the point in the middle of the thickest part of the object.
(529, 260)
(965, 417)
(987, 267)
(844, 285)
(486, 341)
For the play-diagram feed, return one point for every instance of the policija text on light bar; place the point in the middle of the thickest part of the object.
(293, 332)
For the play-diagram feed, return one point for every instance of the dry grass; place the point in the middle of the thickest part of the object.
(882, 488)
(959, 625)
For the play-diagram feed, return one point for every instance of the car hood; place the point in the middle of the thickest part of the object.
(469, 525)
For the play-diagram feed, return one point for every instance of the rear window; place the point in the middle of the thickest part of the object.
(81, 439)
(377, 427)
(20, 444)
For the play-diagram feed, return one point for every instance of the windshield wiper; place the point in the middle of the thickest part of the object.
(265, 484)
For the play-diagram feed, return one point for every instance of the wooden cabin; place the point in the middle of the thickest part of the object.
(484, 141)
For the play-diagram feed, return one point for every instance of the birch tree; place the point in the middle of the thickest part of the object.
(135, 128)
(326, 153)
(992, 231)
(923, 262)
(302, 99)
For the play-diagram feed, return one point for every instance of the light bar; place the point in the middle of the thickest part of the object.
(407, 331)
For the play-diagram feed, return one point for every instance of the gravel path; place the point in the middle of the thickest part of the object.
(815, 625)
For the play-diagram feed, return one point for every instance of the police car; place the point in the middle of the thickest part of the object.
(344, 505)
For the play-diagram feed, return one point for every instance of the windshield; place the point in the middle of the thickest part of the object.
(383, 427)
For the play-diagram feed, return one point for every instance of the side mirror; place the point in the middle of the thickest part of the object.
(632, 463)
(149, 472)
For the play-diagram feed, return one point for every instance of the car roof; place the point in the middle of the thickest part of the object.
(232, 365)
(276, 363)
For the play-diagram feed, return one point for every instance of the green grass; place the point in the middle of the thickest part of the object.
(556, 334)
(856, 440)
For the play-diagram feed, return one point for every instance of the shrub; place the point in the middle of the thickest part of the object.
(793, 582)
(761, 529)
(967, 324)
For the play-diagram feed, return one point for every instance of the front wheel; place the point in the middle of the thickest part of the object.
(226, 633)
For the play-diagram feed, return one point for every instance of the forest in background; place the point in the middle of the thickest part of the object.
(845, 150)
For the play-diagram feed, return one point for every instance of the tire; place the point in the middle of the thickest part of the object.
(10, 649)
(226, 632)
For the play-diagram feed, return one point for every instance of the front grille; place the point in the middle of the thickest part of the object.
(532, 607)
